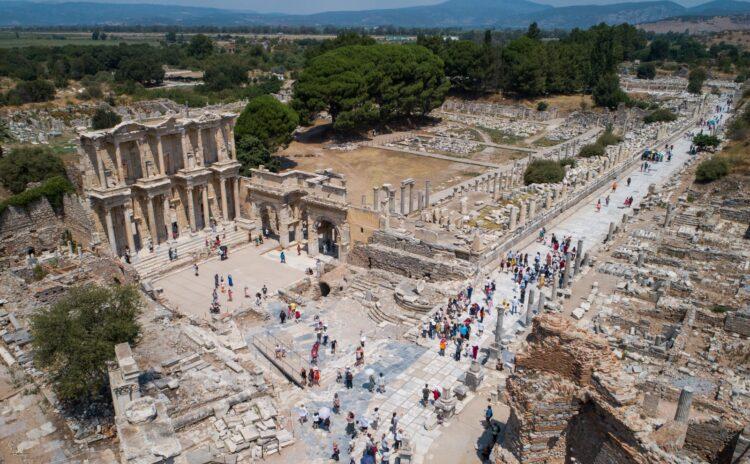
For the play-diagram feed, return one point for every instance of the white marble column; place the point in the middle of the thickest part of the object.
(191, 208)
(118, 160)
(206, 213)
(224, 210)
(128, 229)
(100, 167)
(110, 230)
(160, 155)
(184, 144)
(167, 216)
(152, 220)
(238, 209)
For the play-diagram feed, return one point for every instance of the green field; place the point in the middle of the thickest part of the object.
(10, 39)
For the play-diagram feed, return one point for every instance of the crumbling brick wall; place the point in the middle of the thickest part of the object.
(405, 263)
(712, 441)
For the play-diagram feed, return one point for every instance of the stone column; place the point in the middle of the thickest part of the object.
(548, 200)
(184, 146)
(312, 240)
(639, 262)
(110, 230)
(522, 216)
(532, 209)
(553, 296)
(513, 219)
(683, 405)
(128, 229)
(427, 194)
(566, 273)
(391, 201)
(375, 198)
(160, 156)
(403, 199)
(611, 232)
(411, 197)
(118, 160)
(191, 207)
(167, 219)
(499, 331)
(100, 167)
(224, 211)
(206, 212)
(420, 201)
(237, 208)
(199, 156)
(579, 255)
(668, 215)
(530, 305)
(539, 308)
(152, 220)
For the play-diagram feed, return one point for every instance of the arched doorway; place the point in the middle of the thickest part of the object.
(328, 238)
(269, 221)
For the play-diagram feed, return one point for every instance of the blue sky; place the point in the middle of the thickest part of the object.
(315, 6)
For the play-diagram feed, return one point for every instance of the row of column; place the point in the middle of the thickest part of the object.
(235, 188)
(224, 148)
(407, 200)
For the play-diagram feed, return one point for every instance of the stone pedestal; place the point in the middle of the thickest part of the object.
(474, 376)
(446, 404)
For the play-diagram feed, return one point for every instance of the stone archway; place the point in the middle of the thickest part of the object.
(328, 238)
(269, 217)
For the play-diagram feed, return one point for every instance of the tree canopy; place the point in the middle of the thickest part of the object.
(251, 153)
(74, 338)
(544, 172)
(104, 118)
(268, 120)
(361, 85)
(695, 80)
(29, 163)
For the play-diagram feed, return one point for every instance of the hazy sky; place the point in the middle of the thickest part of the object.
(315, 6)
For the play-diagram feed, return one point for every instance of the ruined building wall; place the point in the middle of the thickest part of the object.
(39, 226)
(408, 257)
(712, 441)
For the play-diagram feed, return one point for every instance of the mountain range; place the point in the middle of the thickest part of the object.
(451, 13)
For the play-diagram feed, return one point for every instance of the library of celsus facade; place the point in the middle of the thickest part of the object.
(154, 180)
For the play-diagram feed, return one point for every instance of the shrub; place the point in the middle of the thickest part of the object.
(104, 118)
(568, 162)
(29, 164)
(646, 71)
(542, 106)
(704, 141)
(608, 138)
(52, 189)
(660, 115)
(711, 170)
(590, 150)
(544, 172)
(695, 80)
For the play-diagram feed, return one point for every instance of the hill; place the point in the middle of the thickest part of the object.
(451, 13)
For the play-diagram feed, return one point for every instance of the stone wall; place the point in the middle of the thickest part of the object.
(41, 227)
(409, 257)
(712, 441)
(738, 322)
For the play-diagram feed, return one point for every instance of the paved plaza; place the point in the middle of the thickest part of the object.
(249, 267)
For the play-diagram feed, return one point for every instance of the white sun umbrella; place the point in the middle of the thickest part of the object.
(324, 413)
(369, 371)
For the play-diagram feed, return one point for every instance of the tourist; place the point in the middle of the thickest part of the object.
(230, 281)
(333, 346)
(247, 292)
(443, 345)
(488, 415)
(302, 414)
(394, 423)
(216, 280)
(336, 452)
(425, 395)
(282, 256)
(195, 269)
(628, 181)
(265, 291)
(282, 316)
(375, 421)
(303, 374)
(349, 379)
(371, 382)
(336, 402)
(229, 294)
(351, 430)
(398, 437)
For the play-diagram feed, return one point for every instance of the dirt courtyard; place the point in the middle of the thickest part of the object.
(367, 167)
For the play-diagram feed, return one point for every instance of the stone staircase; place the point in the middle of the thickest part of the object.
(188, 249)
(382, 307)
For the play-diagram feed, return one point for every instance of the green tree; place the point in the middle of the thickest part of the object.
(705, 141)
(696, 78)
(35, 91)
(224, 75)
(712, 169)
(660, 115)
(104, 118)
(145, 71)
(607, 92)
(5, 136)
(524, 65)
(200, 46)
(26, 164)
(464, 65)
(75, 338)
(533, 31)
(544, 172)
(646, 71)
(251, 153)
(268, 120)
(363, 85)
(170, 37)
